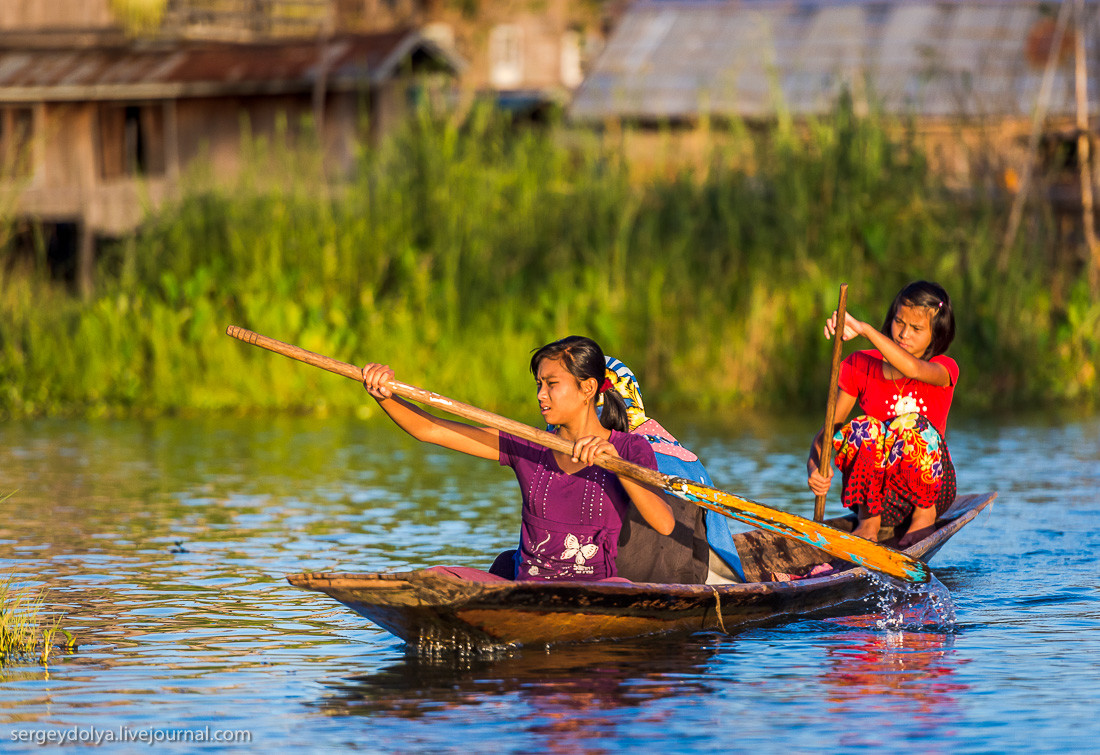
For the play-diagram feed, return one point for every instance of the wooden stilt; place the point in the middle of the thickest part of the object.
(1042, 103)
(85, 259)
(1084, 144)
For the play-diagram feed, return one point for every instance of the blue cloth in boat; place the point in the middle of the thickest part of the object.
(673, 459)
(682, 557)
(570, 523)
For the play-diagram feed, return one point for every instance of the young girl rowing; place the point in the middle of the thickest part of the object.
(572, 510)
(893, 456)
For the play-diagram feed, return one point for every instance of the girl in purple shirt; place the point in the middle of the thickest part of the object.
(572, 510)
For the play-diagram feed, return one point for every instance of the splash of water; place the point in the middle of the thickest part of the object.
(437, 644)
(908, 606)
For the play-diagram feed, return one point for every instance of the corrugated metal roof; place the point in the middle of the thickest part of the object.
(673, 60)
(193, 69)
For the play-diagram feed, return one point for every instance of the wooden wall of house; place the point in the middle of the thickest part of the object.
(545, 35)
(211, 129)
(64, 163)
(101, 163)
(987, 158)
(54, 15)
(73, 178)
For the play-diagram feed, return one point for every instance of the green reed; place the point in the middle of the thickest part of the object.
(461, 244)
(24, 635)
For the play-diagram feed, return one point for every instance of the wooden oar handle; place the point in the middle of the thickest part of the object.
(296, 352)
(826, 454)
(457, 408)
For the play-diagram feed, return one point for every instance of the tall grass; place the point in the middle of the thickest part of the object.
(461, 245)
(23, 634)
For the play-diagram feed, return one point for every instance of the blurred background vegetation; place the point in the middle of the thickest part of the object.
(462, 244)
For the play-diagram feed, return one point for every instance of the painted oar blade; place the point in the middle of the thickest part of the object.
(857, 550)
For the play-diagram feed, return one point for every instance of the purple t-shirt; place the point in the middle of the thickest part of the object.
(570, 522)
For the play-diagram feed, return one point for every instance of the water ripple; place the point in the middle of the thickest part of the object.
(164, 546)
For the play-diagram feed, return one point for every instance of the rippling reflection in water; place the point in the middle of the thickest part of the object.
(164, 545)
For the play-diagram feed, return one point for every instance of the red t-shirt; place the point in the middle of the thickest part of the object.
(861, 376)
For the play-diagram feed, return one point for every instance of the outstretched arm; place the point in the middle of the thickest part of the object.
(483, 442)
(900, 359)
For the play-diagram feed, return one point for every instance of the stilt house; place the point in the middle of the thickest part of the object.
(97, 127)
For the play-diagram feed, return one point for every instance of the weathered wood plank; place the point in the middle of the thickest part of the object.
(440, 609)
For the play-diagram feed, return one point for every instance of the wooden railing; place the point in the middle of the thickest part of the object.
(248, 19)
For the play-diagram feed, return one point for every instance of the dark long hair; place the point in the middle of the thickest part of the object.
(934, 297)
(583, 359)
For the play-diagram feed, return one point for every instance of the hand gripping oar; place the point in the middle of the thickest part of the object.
(829, 539)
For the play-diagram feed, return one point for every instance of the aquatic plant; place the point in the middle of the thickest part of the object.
(23, 634)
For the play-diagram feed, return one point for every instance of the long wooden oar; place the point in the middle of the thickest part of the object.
(829, 539)
(826, 454)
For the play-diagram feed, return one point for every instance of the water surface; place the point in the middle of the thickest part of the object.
(165, 543)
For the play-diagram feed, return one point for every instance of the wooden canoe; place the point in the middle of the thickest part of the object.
(466, 609)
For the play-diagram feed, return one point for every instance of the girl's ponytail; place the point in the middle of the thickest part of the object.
(613, 413)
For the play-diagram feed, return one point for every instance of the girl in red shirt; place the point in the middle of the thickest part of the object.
(893, 456)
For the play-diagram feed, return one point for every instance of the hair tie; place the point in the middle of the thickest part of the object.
(605, 386)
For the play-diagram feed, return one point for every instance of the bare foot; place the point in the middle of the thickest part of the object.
(922, 525)
(868, 529)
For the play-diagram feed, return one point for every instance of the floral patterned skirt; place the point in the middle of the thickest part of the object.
(892, 467)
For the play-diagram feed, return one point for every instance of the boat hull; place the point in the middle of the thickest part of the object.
(465, 608)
